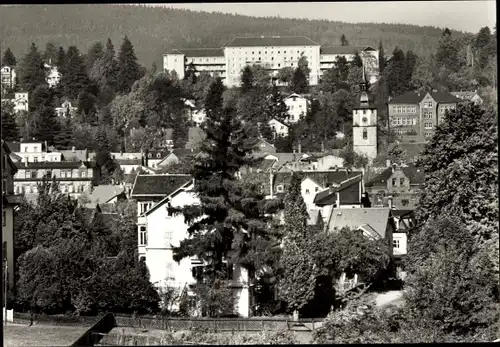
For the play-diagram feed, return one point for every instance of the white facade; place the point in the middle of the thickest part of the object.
(199, 117)
(365, 129)
(279, 128)
(7, 77)
(33, 152)
(297, 107)
(159, 232)
(399, 241)
(274, 53)
(53, 76)
(66, 110)
(309, 188)
(328, 162)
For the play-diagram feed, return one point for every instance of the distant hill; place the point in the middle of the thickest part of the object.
(155, 30)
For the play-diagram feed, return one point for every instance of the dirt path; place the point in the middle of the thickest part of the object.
(392, 297)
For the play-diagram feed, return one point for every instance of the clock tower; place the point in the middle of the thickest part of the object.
(364, 123)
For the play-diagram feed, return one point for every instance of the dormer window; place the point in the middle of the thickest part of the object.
(279, 188)
(149, 155)
(364, 119)
(158, 155)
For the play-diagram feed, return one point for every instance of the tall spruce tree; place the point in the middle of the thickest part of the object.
(8, 58)
(94, 53)
(105, 69)
(31, 70)
(10, 130)
(447, 52)
(50, 54)
(247, 79)
(395, 73)
(299, 82)
(47, 125)
(232, 224)
(128, 67)
(381, 57)
(298, 281)
(75, 79)
(61, 60)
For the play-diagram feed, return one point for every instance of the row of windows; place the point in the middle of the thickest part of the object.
(31, 174)
(444, 108)
(428, 104)
(143, 236)
(63, 189)
(404, 121)
(428, 125)
(401, 181)
(428, 134)
(401, 131)
(404, 109)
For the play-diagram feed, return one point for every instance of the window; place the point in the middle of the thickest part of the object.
(395, 243)
(414, 121)
(35, 159)
(307, 191)
(143, 235)
(4, 219)
(83, 173)
(428, 125)
(393, 181)
(35, 149)
(401, 181)
(316, 189)
(169, 272)
(400, 109)
(365, 134)
(142, 259)
(26, 149)
(168, 238)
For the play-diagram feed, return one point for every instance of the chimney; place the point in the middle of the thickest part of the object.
(73, 149)
(300, 147)
(46, 147)
(322, 146)
(388, 162)
(337, 201)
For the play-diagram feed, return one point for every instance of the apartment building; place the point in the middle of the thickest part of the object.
(297, 106)
(271, 52)
(53, 76)
(20, 102)
(414, 115)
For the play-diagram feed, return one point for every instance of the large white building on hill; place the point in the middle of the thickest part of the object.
(272, 52)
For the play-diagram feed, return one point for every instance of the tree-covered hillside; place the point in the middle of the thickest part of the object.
(155, 30)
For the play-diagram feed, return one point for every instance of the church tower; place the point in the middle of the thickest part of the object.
(364, 123)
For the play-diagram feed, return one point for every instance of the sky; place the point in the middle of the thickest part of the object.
(467, 16)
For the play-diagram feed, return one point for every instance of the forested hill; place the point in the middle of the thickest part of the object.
(154, 30)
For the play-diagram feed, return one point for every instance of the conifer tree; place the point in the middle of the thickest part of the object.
(247, 79)
(105, 68)
(64, 138)
(275, 106)
(31, 70)
(190, 74)
(232, 224)
(128, 68)
(8, 58)
(47, 125)
(395, 73)
(75, 79)
(356, 60)
(381, 57)
(299, 82)
(10, 130)
(94, 53)
(50, 54)
(447, 52)
(299, 271)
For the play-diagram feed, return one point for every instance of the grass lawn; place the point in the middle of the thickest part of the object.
(20, 335)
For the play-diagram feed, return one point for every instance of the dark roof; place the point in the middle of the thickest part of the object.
(328, 196)
(401, 213)
(328, 177)
(413, 173)
(128, 161)
(198, 52)
(416, 97)
(357, 101)
(108, 209)
(57, 165)
(272, 41)
(103, 193)
(345, 49)
(158, 184)
(14, 146)
(182, 152)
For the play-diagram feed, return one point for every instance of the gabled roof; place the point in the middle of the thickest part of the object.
(403, 213)
(8, 153)
(77, 155)
(328, 196)
(167, 198)
(414, 174)
(103, 193)
(353, 218)
(271, 41)
(128, 161)
(413, 97)
(295, 95)
(198, 52)
(467, 95)
(381, 178)
(345, 49)
(14, 146)
(182, 152)
(158, 185)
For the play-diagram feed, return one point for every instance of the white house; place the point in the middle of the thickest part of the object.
(20, 102)
(35, 151)
(53, 76)
(278, 127)
(66, 110)
(198, 117)
(297, 106)
(159, 231)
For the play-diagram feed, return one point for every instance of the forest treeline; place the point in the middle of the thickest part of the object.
(156, 30)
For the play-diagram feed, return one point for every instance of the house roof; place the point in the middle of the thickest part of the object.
(402, 213)
(413, 97)
(345, 49)
(14, 146)
(77, 155)
(158, 185)
(167, 197)
(107, 208)
(57, 165)
(328, 196)
(182, 152)
(103, 193)
(353, 218)
(198, 52)
(271, 41)
(412, 149)
(128, 161)
(126, 155)
(413, 173)
(467, 95)
(357, 101)
(169, 134)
